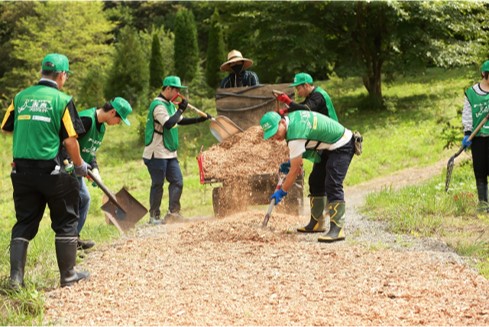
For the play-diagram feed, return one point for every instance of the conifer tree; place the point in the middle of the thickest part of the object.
(186, 55)
(129, 76)
(156, 69)
(215, 51)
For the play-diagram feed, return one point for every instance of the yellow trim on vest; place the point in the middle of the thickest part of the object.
(7, 114)
(68, 124)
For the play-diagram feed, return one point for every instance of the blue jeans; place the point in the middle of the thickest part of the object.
(84, 203)
(159, 169)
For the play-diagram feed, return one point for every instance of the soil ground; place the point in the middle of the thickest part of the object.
(230, 271)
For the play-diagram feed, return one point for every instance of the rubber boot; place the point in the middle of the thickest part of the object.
(84, 244)
(18, 257)
(337, 222)
(317, 222)
(482, 194)
(66, 256)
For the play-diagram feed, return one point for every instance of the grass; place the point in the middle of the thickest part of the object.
(406, 135)
(428, 211)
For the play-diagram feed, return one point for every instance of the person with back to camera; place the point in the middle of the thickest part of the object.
(42, 118)
(318, 100)
(160, 152)
(238, 76)
(476, 108)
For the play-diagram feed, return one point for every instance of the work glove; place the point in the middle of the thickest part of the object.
(283, 111)
(183, 105)
(284, 98)
(466, 142)
(278, 195)
(82, 170)
(284, 167)
(96, 174)
(209, 117)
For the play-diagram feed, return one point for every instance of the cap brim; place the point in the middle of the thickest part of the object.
(296, 84)
(270, 133)
(225, 67)
(126, 121)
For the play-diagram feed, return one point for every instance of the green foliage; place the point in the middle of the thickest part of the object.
(215, 52)
(156, 69)
(82, 36)
(186, 55)
(129, 75)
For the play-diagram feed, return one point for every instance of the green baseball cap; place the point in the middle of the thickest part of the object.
(269, 123)
(173, 81)
(55, 62)
(302, 78)
(123, 108)
(485, 66)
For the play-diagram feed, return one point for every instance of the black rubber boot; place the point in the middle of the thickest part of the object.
(66, 256)
(84, 245)
(482, 195)
(318, 217)
(337, 222)
(18, 257)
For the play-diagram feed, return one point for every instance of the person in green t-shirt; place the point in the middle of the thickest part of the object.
(305, 133)
(476, 108)
(42, 118)
(94, 120)
(318, 100)
(161, 145)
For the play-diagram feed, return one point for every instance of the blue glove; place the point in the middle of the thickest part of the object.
(466, 142)
(278, 195)
(284, 167)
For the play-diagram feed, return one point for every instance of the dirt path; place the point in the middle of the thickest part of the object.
(232, 272)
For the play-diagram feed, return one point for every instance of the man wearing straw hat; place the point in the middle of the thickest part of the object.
(236, 65)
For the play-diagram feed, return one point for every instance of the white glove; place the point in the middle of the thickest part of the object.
(96, 173)
(82, 170)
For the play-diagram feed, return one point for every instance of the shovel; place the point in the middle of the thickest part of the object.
(221, 126)
(122, 209)
(451, 161)
(272, 203)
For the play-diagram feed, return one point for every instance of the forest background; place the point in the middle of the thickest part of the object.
(126, 48)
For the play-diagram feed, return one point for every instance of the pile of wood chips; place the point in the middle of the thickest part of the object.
(244, 155)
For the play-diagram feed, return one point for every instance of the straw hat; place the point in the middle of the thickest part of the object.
(234, 56)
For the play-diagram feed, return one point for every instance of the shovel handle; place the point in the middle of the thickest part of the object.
(105, 190)
(199, 112)
(269, 212)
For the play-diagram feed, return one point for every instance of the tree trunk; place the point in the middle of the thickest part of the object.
(373, 83)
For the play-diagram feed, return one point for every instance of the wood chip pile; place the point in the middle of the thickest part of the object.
(244, 155)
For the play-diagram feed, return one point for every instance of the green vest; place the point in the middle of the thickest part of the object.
(91, 141)
(480, 109)
(38, 112)
(311, 125)
(329, 103)
(170, 137)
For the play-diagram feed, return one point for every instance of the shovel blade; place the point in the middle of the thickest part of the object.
(222, 128)
(127, 218)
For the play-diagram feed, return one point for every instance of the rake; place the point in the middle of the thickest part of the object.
(451, 161)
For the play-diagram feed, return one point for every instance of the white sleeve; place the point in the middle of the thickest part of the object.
(296, 148)
(467, 116)
(160, 114)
